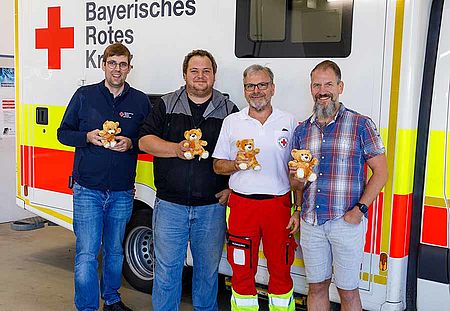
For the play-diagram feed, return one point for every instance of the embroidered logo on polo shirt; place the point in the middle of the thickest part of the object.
(126, 115)
(283, 142)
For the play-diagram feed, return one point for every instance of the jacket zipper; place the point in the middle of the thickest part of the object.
(111, 154)
(191, 166)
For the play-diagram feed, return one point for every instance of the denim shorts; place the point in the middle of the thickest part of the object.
(334, 247)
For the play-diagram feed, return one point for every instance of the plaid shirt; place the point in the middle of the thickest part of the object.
(342, 148)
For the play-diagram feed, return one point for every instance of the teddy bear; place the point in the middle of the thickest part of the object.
(109, 132)
(196, 144)
(303, 162)
(247, 152)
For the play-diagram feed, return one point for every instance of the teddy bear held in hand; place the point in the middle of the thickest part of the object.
(196, 144)
(303, 162)
(247, 152)
(109, 132)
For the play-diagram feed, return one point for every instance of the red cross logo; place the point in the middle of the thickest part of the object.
(283, 142)
(54, 38)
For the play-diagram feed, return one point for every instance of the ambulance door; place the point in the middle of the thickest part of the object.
(433, 270)
(51, 49)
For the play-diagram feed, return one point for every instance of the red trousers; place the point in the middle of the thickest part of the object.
(249, 221)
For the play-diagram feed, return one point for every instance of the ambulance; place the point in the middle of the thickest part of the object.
(395, 61)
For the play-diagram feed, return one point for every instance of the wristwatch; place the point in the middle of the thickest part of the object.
(362, 207)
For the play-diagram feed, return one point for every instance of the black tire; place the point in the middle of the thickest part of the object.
(138, 264)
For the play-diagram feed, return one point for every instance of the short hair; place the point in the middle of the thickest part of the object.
(201, 53)
(117, 49)
(328, 64)
(256, 68)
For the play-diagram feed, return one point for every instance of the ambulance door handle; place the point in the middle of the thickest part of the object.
(42, 115)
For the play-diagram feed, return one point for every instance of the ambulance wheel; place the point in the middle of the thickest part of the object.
(139, 261)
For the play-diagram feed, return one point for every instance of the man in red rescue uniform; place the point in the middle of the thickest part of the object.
(259, 206)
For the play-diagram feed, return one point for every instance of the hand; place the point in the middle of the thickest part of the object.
(240, 159)
(293, 175)
(123, 144)
(353, 216)
(93, 137)
(223, 196)
(237, 162)
(296, 183)
(294, 223)
(180, 149)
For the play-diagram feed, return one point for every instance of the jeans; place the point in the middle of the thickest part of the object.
(99, 217)
(173, 226)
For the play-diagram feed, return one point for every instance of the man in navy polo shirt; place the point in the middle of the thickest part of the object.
(103, 178)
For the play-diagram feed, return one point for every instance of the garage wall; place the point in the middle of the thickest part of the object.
(7, 27)
(8, 209)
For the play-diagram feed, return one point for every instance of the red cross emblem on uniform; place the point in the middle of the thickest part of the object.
(283, 142)
(54, 38)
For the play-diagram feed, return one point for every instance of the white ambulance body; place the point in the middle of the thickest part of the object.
(382, 47)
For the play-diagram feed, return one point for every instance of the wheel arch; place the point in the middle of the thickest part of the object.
(144, 197)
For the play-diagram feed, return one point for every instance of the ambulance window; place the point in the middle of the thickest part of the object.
(305, 26)
(267, 20)
(293, 28)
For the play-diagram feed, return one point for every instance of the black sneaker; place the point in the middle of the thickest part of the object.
(118, 306)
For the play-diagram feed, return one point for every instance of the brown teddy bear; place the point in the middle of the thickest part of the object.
(247, 152)
(109, 132)
(303, 162)
(196, 144)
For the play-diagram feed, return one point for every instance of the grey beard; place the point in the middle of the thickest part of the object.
(258, 106)
(325, 112)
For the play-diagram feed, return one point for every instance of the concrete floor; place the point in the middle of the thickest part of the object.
(36, 273)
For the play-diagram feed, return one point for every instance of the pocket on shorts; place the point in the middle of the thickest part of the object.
(349, 224)
(239, 250)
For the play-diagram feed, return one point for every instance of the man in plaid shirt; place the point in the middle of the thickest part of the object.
(333, 207)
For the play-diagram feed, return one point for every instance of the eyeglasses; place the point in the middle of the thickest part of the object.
(112, 64)
(261, 86)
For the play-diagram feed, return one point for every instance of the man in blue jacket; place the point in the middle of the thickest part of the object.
(103, 178)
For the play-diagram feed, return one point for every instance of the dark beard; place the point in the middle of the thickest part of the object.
(202, 92)
(325, 112)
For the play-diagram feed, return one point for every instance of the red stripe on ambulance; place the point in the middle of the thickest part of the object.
(52, 168)
(434, 225)
(400, 225)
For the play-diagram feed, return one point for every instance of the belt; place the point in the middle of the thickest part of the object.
(258, 196)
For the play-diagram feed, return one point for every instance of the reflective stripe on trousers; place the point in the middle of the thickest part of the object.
(244, 302)
(283, 302)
